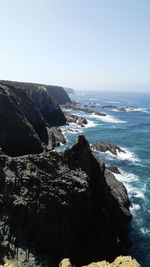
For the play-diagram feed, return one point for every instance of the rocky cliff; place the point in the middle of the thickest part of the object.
(56, 205)
(59, 94)
(28, 111)
(17, 136)
(44, 100)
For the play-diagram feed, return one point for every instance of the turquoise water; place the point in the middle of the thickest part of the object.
(131, 131)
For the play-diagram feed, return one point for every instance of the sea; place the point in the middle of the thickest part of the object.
(130, 130)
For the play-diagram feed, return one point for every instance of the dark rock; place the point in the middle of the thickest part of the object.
(110, 106)
(113, 169)
(74, 118)
(56, 137)
(103, 147)
(44, 100)
(31, 112)
(78, 107)
(122, 109)
(17, 136)
(119, 192)
(56, 205)
(48, 107)
(59, 94)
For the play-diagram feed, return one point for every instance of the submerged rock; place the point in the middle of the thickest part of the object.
(61, 204)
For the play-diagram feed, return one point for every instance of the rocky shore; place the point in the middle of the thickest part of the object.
(55, 205)
(27, 112)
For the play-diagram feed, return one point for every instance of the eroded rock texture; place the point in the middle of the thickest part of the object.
(56, 205)
(17, 136)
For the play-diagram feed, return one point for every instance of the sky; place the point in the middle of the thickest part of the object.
(82, 44)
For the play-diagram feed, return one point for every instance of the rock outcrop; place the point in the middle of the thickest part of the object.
(113, 169)
(75, 119)
(59, 94)
(104, 147)
(56, 205)
(30, 111)
(76, 106)
(43, 100)
(56, 137)
(17, 136)
(40, 111)
(122, 261)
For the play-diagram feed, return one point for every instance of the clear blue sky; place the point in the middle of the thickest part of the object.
(83, 44)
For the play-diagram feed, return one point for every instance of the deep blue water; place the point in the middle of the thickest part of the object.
(131, 131)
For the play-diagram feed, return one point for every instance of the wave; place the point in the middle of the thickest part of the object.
(130, 109)
(73, 128)
(128, 155)
(129, 179)
(134, 208)
(107, 118)
(90, 124)
(112, 102)
(145, 231)
(121, 156)
(126, 177)
(93, 99)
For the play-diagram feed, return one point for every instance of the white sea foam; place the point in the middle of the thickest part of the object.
(128, 155)
(130, 109)
(113, 102)
(134, 208)
(73, 128)
(128, 179)
(93, 99)
(145, 231)
(145, 110)
(126, 176)
(107, 118)
(90, 124)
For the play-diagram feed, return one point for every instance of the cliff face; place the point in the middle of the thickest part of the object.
(30, 111)
(17, 136)
(34, 109)
(56, 205)
(43, 99)
(59, 94)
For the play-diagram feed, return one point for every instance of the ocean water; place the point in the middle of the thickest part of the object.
(131, 131)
